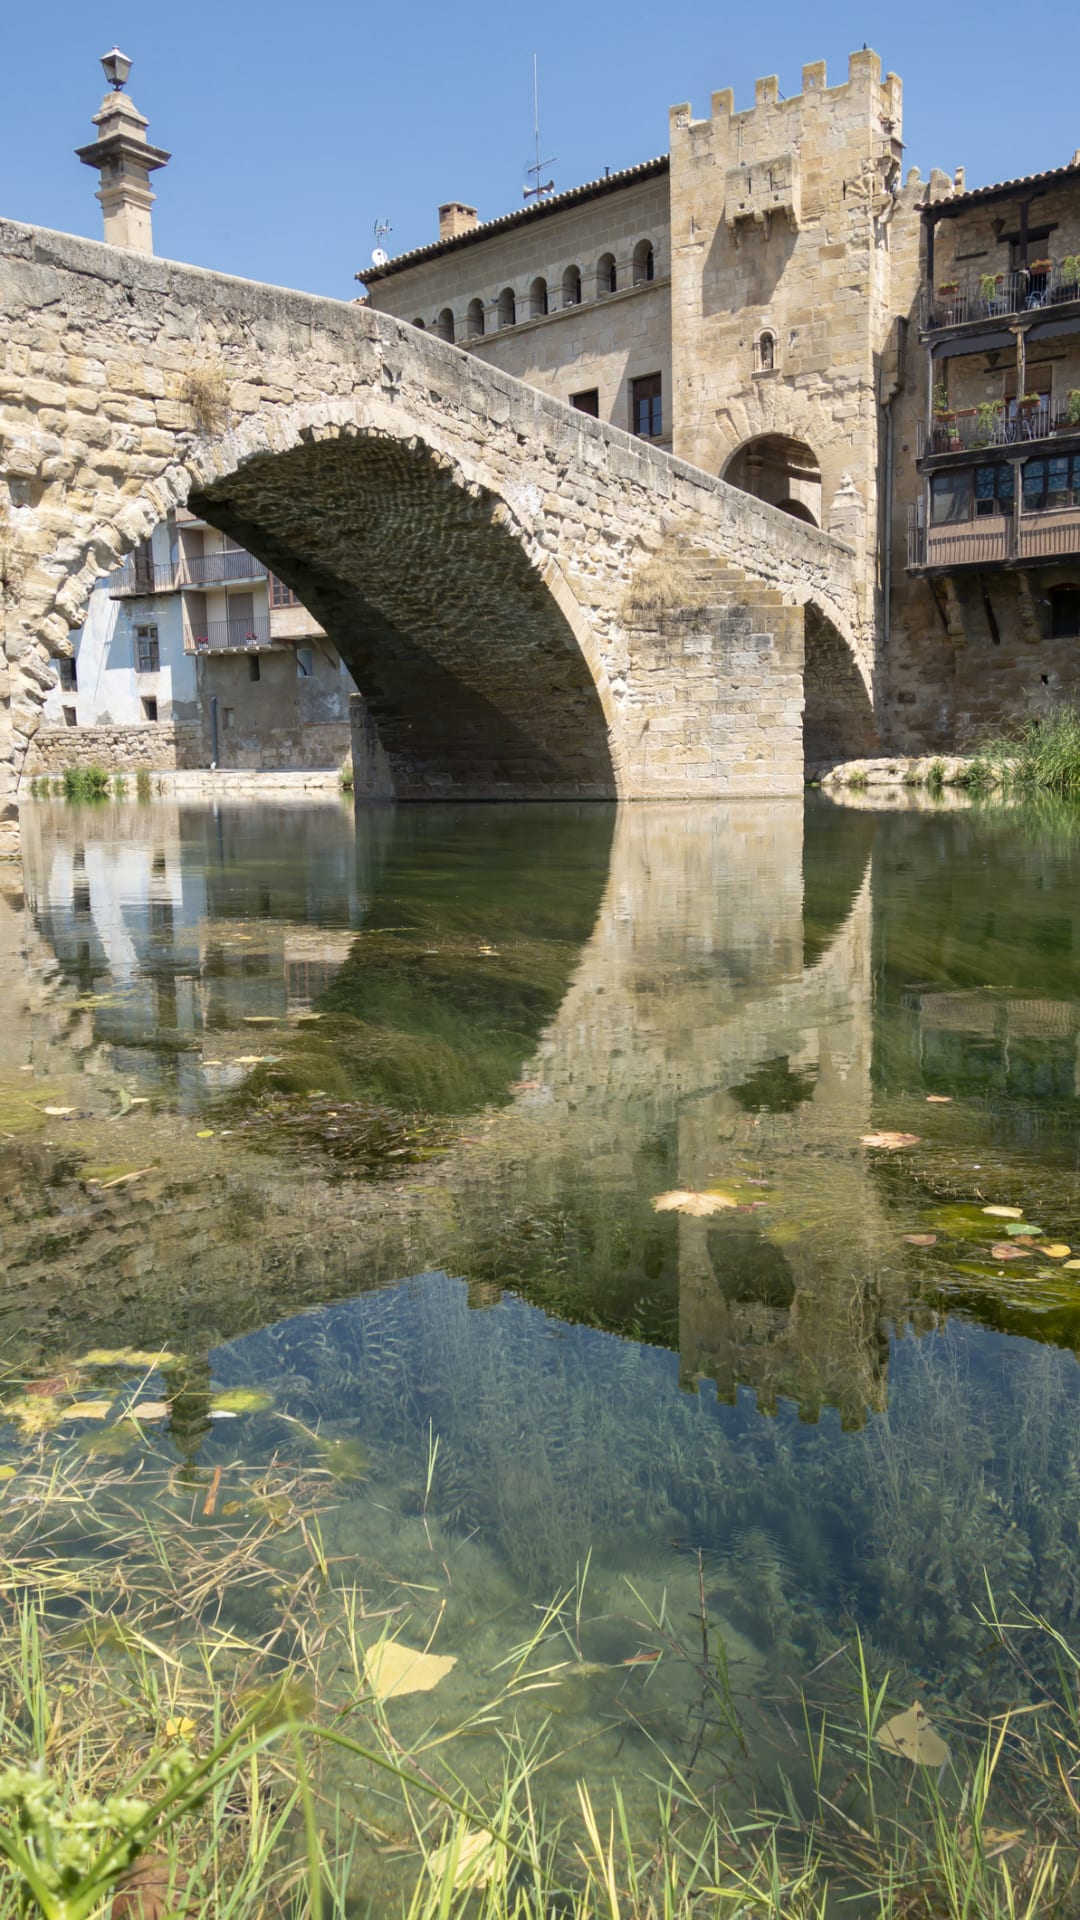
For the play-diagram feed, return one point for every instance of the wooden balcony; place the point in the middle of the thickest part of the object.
(996, 541)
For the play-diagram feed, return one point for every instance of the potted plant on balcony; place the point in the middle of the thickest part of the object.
(1040, 266)
(1067, 285)
(987, 415)
(944, 421)
(990, 285)
(1029, 403)
(1071, 412)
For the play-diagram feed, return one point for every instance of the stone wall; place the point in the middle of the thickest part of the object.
(470, 545)
(158, 749)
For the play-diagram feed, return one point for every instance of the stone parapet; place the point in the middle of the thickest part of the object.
(116, 749)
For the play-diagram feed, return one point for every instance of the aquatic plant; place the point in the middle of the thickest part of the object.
(1042, 755)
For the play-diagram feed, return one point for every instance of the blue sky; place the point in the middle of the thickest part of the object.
(293, 129)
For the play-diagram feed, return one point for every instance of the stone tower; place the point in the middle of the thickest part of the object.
(125, 160)
(782, 296)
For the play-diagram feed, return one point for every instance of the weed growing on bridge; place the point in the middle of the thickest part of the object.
(205, 389)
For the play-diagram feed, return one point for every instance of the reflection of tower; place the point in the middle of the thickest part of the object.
(786, 1300)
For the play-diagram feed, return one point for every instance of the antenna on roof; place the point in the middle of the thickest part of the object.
(539, 187)
(380, 256)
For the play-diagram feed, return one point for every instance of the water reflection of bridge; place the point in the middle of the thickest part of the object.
(685, 994)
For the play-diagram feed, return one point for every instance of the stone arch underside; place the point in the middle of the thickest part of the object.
(471, 674)
(838, 715)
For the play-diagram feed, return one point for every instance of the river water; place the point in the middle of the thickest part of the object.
(342, 1140)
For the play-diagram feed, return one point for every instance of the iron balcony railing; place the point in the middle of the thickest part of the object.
(142, 577)
(221, 636)
(997, 540)
(214, 569)
(1020, 290)
(969, 430)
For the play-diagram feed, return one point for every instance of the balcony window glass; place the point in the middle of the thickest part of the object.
(995, 489)
(1052, 483)
(950, 497)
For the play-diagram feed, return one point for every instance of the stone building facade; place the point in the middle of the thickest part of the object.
(766, 299)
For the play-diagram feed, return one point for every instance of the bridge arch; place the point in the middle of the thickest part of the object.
(782, 470)
(480, 677)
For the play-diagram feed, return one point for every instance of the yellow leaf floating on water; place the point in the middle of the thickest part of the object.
(8, 1473)
(1054, 1249)
(205, 1133)
(179, 1728)
(88, 1410)
(125, 1357)
(1072, 1265)
(151, 1410)
(1005, 1213)
(939, 1099)
(241, 1400)
(892, 1141)
(912, 1736)
(469, 1854)
(1008, 1250)
(59, 1113)
(393, 1669)
(697, 1204)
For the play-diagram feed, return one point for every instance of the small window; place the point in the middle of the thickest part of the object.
(305, 663)
(1065, 613)
(766, 351)
(147, 651)
(571, 287)
(538, 298)
(280, 594)
(228, 718)
(587, 402)
(444, 326)
(995, 490)
(68, 675)
(69, 717)
(950, 498)
(644, 263)
(149, 707)
(607, 275)
(646, 407)
(254, 667)
(507, 308)
(474, 320)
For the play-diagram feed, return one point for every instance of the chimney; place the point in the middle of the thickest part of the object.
(959, 179)
(456, 218)
(125, 160)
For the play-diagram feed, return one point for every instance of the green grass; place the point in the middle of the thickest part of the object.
(1041, 757)
(85, 783)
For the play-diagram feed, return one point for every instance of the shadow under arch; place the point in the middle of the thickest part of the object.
(477, 672)
(838, 717)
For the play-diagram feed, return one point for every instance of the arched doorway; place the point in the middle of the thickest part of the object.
(783, 471)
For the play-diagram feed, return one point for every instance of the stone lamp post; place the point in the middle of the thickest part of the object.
(125, 160)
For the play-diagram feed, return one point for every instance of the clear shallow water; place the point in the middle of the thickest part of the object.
(369, 1118)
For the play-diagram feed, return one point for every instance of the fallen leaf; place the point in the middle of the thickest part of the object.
(88, 1410)
(180, 1728)
(124, 1179)
(469, 1855)
(258, 1019)
(699, 1205)
(921, 1239)
(912, 1736)
(890, 1140)
(939, 1099)
(1008, 1250)
(1022, 1227)
(205, 1133)
(241, 1400)
(1073, 1265)
(150, 1410)
(1054, 1249)
(59, 1113)
(393, 1669)
(1005, 1213)
(125, 1357)
(248, 1060)
(8, 1472)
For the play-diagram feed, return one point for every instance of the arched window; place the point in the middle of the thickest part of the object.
(474, 320)
(420, 324)
(571, 287)
(507, 308)
(644, 263)
(444, 325)
(538, 298)
(766, 351)
(607, 275)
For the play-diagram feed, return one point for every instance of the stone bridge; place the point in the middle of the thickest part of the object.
(532, 603)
